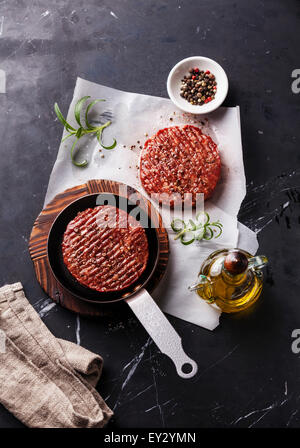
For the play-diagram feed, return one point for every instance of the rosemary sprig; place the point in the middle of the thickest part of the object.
(201, 229)
(81, 131)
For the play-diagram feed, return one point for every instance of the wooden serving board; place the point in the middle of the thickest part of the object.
(38, 247)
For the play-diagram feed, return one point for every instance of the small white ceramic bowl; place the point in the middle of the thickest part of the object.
(182, 69)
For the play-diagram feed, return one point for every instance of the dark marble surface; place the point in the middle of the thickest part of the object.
(248, 374)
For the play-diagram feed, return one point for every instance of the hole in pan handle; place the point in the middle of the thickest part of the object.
(162, 332)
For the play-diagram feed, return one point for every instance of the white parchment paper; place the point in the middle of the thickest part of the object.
(134, 118)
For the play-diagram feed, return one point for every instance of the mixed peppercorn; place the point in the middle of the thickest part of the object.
(198, 87)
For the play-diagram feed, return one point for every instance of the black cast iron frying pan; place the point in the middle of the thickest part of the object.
(136, 295)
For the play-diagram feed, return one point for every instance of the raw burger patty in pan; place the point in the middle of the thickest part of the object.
(105, 249)
(180, 160)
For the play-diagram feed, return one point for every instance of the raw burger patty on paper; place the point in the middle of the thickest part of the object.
(180, 160)
(105, 249)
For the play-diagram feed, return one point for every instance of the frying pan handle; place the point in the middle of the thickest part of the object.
(162, 332)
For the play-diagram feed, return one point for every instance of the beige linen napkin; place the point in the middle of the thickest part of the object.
(44, 381)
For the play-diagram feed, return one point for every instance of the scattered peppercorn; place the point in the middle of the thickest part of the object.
(198, 87)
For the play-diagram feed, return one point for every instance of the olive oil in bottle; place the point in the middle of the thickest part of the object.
(232, 279)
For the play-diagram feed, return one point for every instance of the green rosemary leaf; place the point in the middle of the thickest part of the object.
(219, 226)
(61, 118)
(187, 238)
(67, 136)
(78, 108)
(208, 235)
(79, 164)
(177, 225)
(99, 137)
(88, 125)
(192, 225)
(202, 218)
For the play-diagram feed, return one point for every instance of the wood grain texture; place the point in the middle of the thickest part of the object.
(39, 237)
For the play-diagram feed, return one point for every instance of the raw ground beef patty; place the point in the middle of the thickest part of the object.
(105, 249)
(180, 160)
